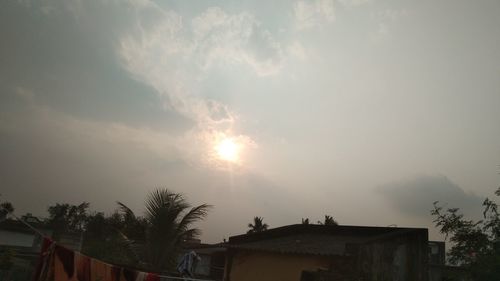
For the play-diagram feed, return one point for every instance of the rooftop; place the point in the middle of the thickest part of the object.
(316, 239)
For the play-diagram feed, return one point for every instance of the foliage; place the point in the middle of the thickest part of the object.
(257, 226)
(151, 242)
(65, 218)
(102, 239)
(329, 220)
(5, 209)
(476, 244)
(157, 237)
(305, 221)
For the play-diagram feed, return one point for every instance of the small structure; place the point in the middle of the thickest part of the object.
(317, 252)
(212, 259)
(438, 269)
(20, 246)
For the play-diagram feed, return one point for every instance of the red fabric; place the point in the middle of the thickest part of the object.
(152, 277)
(42, 259)
(61, 264)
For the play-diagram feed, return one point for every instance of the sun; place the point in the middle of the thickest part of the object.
(227, 149)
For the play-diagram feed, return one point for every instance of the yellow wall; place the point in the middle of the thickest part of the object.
(261, 266)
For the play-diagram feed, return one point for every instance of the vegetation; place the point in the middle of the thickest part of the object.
(5, 209)
(64, 218)
(476, 244)
(156, 238)
(151, 242)
(102, 239)
(329, 220)
(257, 226)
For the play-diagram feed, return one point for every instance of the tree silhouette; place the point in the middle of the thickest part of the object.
(329, 220)
(166, 225)
(257, 226)
(305, 221)
(475, 244)
(5, 209)
(65, 218)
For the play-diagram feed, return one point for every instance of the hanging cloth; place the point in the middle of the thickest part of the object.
(61, 264)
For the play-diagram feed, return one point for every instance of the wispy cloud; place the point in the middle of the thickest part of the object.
(310, 14)
(353, 3)
(173, 54)
(384, 20)
(240, 39)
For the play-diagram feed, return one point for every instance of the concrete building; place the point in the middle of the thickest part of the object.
(317, 252)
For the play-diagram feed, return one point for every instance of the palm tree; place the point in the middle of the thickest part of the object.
(329, 220)
(257, 226)
(167, 223)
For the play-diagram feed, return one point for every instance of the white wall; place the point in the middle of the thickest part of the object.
(12, 238)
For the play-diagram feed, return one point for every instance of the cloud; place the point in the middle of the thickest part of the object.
(310, 14)
(239, 38)
(353, 3)
(416, 196)
(390, 14)
(384, 20)
(173, 55)
(55, 157)
(296, 49)
(168, 53)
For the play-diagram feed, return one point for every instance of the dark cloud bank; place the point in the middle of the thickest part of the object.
(416, 196)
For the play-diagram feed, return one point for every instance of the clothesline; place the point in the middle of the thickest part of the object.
(43, 235)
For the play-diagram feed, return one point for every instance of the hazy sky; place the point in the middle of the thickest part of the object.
(364, 110)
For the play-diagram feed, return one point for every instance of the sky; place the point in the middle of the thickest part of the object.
(365, 110)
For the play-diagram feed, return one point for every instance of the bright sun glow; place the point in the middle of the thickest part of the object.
(227, 149)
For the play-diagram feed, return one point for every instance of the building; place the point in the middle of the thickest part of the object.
(438, 269)
(20, 247)
(317, 252)
(212, 260)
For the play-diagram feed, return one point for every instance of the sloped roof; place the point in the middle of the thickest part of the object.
(17, 226)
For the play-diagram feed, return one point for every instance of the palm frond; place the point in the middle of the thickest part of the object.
(127, 213)
(195, 214)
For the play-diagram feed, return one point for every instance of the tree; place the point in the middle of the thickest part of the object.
(329, 220)
(257, 226)
(102, 239)
(305, 221)
(67, 218)
(157, 237)
(5, 209)
(476, 244)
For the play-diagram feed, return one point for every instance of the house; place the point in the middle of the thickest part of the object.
(20, 246)
(317, 252)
